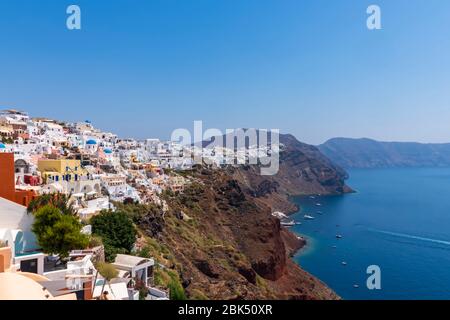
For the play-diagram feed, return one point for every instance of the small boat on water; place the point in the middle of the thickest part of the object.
(318, 204)
(288, 224)
(344, 263)
(338, 236)
(312, 197)
(298, 223)
(308, 217)
(355, 286)
(319, 212)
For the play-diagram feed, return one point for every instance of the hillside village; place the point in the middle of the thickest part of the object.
(93, 171)
(86, 215)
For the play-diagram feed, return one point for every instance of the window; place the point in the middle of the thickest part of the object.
(30, 266)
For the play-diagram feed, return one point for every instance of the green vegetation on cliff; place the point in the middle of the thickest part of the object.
(117, 232)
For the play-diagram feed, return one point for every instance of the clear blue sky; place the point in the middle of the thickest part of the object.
(309, 67)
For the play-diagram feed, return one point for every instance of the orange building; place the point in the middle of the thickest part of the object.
(7, 182)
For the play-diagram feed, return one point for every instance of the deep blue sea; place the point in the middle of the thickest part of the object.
(399, 219)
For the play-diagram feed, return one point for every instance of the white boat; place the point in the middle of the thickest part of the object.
(344, 263)
(318, 204)
(288, 224)
(338, 236)
(308, 217)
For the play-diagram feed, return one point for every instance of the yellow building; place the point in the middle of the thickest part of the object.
(61, 170)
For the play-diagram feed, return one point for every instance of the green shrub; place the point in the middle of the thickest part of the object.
(117, 232)
(176, 290)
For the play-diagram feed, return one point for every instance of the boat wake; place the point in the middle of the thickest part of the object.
(413, 237)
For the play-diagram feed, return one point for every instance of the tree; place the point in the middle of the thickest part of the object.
(117, 232)
(58, 233)
(108, 272)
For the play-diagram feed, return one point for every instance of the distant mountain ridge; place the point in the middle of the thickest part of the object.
(303, 169)
(367, 153)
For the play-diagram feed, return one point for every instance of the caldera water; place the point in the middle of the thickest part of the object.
(398, 220)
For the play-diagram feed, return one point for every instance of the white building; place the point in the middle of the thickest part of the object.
(91, 146)
(15, 232)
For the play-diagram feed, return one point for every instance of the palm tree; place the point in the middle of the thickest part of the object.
(108, 272)
(57, 200)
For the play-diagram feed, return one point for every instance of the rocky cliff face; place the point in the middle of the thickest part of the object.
(304, 170)
(228, 246)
